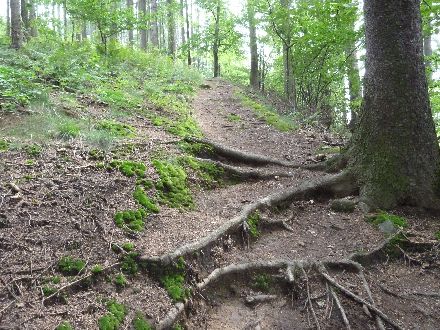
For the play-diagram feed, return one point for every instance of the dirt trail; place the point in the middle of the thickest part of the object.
(66, 205)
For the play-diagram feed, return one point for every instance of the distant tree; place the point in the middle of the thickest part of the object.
(395, 153)
(171, 25)
(254, 73)
(8, 18)
(129, 5)
(154, 25)
(143, 30)
(16, 24)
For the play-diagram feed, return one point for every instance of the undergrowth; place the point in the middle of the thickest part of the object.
(140, 323)
(252, 222)
(71, 266)
(382, 217)
(115, 316)
(131, 219)
(64, 326)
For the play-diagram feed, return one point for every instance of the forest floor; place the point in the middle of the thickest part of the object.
(59, 201)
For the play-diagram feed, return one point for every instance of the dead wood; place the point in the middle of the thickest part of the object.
(259, 299)
(341, 308)
(341, 184)
(171, 317)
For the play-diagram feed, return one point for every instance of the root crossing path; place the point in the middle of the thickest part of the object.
(297, 268)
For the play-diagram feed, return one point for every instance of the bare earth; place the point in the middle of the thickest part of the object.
(67, 208)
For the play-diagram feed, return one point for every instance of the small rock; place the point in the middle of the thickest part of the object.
(301, 243)
(343, 205)
(320, 303)
(387, 227)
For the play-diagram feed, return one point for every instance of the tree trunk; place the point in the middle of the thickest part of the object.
(354, 84)
(143, 31)
(154, 25)
(182, 24)
(254, 74)
(188, 36)
(32, 18)
(216, 46)
(171, 29)
(8, 18)
(130, 32)
(16, 25)
(65, 18)
(289, 79)
(395, 153)
(25, 17)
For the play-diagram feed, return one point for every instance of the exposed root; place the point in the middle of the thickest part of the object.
(341, 184)
(250, 174)
(315, 318)
(379, 322)
(356, 298)
(259, 299)
(277, 223)
(341, 308)
(240, 156)
(171, 317)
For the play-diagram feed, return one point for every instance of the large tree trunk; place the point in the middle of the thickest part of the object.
(16, 24)
(254, 74)
(216, 45)
(154, 25)
(129, 5)
(182, 22)
(143, 31)
(32, 18)
(8, 18)
(171, 29)
(188, 36)
(354, 84)
(395, 153)
(25, 17)
(289, 79)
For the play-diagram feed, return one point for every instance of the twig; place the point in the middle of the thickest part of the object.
(310, 300)
(341, 309)
(379, 322)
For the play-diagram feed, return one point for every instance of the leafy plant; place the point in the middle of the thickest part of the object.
(96, 269)
(252, 222)
(48, 290)
(120, 280)
(262, 282)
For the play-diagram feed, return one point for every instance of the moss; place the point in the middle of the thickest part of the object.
(437, 235)
(195, 148)
(70, 266)
(115, 128)
(96, 269)
(172, 188)
(207, 172)
(68, 130)
(252, 222)
(174, 284)
(65, 325)
(96, 154)
(33, 150)
(145, 183)
(55, 279)
(141, 197)
(48, 290)
(4, 145)
(233, 117)
(381, 217)
(130, 263)
(262, 282)
(128, 247)
(120, 281)
(178, 326)
(129, 168)
(115, 316)
(140, 323)
(327, 150)
(269, 115)
(132, 219)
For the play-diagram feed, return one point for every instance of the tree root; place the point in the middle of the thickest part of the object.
(220, 275)
(341, 184)
(341, 308)
(250, 174)
(240, 156)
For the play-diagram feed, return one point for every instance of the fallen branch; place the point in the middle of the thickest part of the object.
(341, 308)
(171, 317)
(341, 184)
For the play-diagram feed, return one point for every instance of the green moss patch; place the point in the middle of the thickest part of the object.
(129, 168)
(233, 117)
(130, 263)
(71, 266)
(114, 318)
(120, 280)
(382, 217)
(48, 290)
(437, 235)
(252, 222)
(172, 188)
(64, 326)
(132, 219)
(209, 173)
(115, 128)
(140, 323)
(174, 284)
(141, 197)
(4, 145)
(262, 282)
(33, 150)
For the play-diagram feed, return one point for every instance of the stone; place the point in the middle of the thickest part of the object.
(343, 205)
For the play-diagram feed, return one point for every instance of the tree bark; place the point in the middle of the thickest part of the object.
(216, 45)
(254, 74)
(129, 4)
(182, 24)
(8, 18)
(171, 29)
(188, 36)
(25, 17)
(32, 18)
(154, 25)
(16, 25)
(394, 152)
(143, 31)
